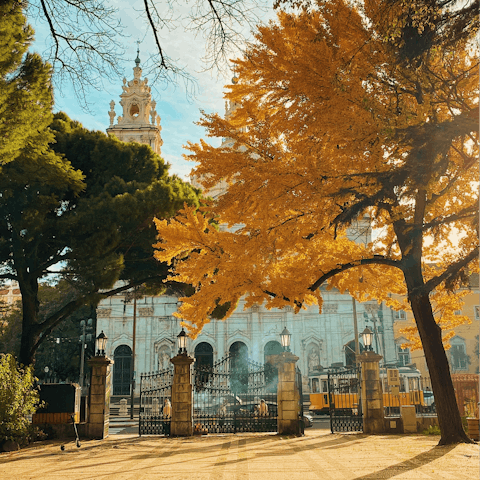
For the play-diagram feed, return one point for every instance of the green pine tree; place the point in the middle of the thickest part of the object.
(83, 212)
(25, 88)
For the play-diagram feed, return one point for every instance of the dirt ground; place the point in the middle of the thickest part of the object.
(317, 455)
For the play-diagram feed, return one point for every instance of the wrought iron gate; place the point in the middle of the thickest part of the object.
(155, 403)
(235, 396)
(299, 388)
(345, 400)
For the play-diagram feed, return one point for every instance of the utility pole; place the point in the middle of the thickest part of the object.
(83, 323)
(355, 330)
(132, 371)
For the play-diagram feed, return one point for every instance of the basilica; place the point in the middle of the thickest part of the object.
(319, 340)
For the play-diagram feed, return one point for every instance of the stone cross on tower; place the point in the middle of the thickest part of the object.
(139, 121)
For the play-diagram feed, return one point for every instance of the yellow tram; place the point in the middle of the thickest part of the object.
(346, 392)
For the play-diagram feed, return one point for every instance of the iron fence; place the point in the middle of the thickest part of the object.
(155, 403)
(230, 397)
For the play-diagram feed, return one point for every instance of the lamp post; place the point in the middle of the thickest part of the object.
(367, 336)
(285, 337)
(99, 404)
(182, 342)
(100, 344)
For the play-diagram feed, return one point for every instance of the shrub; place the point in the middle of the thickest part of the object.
(18, 398)
(432, 430)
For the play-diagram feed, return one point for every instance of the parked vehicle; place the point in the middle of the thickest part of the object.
(346, 395)
(429, 401)
(307, 420)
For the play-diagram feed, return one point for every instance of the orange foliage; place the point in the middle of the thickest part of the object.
(335, 129)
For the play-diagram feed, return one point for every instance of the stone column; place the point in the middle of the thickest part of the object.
(288, 397)
(372, 393)
(100, 385)
(182, 397)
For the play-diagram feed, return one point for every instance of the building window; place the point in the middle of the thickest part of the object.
(458, 312)
(403, 355)
(477, 312)
(400, 315)
(122, 370)
(458, 354)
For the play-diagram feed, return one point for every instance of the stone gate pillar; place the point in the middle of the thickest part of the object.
(100, 389)
(288, 396)
(182, 396)
(372, 393)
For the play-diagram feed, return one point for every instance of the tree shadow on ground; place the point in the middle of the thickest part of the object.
(411, 464)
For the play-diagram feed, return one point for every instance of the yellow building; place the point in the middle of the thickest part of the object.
(463, 354)
(10, 294)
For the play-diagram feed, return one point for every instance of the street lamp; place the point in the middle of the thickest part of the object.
(285, 337)
(367, 336)
(101, 343)
(182, 342)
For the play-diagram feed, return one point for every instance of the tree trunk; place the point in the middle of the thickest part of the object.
(30, 330)
(445, 401)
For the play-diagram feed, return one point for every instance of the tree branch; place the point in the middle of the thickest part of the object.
(46, 327)
(375, 260)
(450, 273)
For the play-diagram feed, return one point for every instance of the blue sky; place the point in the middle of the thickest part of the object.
(177, 109)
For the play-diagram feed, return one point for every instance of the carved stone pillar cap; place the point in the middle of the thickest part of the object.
(182, 359)
(285, 357)
(100, 360)
(369, 357)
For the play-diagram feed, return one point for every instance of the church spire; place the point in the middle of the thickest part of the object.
(140, 121)
(137, 60)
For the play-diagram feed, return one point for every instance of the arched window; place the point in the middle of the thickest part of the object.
(122, 370)
(239, 367)
(239, 354)
(271, 371)
(272, 348)
(134, 110)
(204, 355)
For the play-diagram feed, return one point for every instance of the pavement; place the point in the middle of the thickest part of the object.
(317, 455)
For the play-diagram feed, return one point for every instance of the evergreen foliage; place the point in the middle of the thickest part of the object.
(82, 210)
(25, 89)
(62, 356)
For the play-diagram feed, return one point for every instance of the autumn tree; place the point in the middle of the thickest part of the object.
(81, 209)
(326, 125)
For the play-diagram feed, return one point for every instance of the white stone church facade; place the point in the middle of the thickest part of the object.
(319, 340)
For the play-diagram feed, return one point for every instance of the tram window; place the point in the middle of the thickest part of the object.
(324, 386)
(315, 385)
(411, 387)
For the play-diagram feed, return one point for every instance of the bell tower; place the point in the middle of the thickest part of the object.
(140, 121)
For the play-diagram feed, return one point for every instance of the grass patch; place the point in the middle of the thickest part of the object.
(432, 430)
